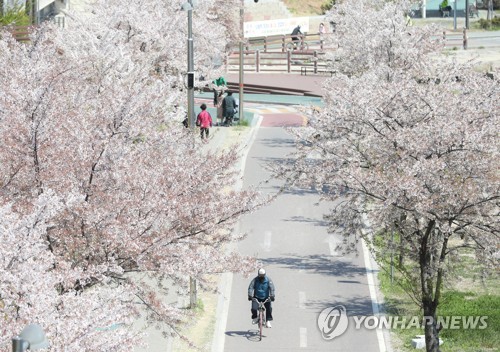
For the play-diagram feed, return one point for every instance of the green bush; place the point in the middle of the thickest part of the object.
(327, 6)
(16, 15)
(493, 24)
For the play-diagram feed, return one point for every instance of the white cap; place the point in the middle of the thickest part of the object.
(262, 271)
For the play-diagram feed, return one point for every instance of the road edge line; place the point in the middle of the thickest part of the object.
(222, 312)
(373, 294)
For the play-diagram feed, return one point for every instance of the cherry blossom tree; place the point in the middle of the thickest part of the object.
(100, 181)
(407, 140)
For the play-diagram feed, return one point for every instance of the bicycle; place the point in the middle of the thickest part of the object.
(299, 44)
(261, 314)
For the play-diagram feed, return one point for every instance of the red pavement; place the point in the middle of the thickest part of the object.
(283, 120)
(310, 83)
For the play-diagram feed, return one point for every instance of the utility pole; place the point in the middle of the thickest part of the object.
(455, 14)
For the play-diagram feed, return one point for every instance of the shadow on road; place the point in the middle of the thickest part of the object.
(312, 221)
(355, 306)
(318, 264)
(250, 335)
(275, 142)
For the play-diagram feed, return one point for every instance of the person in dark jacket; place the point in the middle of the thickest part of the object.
(261, 287)
(228, 108)
(295, 35)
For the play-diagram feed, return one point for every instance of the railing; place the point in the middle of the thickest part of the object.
(279, 42)
(20, 33)
(296, 61)
(467, 39)
(270, 54)
(455, 39)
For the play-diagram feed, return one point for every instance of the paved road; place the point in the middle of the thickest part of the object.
(291, 238)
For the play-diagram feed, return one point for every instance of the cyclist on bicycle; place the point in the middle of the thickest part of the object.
(295, 36)
(261, 287)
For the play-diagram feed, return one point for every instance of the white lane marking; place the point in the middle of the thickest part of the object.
(244, 157)
(332, 245)
(267, 241)
(373, 294)
(303, 337)
(219, 338)
(302, 300)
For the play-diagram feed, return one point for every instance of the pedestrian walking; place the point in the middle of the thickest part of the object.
(220, 116)
(228, 108)
(204, 121)
(321, 31)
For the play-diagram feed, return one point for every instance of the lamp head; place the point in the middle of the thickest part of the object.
(35, 336)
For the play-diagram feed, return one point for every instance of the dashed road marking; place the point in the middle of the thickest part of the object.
(267, 241)
(303, 337)
(302, 300)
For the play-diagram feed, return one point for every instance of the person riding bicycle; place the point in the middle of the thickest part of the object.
(261, 287)
(295, 36)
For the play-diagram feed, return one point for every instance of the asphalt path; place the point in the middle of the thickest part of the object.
(290, 237)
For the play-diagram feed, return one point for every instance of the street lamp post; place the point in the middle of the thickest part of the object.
(32, 337)
(188, 6)
(190, 67)
(242, 30)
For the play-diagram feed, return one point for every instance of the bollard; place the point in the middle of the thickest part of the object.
(257, 61)
(289, 61)
(315, 55)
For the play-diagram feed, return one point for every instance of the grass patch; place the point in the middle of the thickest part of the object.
(453, 303)
(242, 123)
(305, 8)
(471, 305)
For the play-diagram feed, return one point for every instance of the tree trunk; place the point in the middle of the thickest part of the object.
(429, 303)
(489, 15)
(401, 251)
(431, 331)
